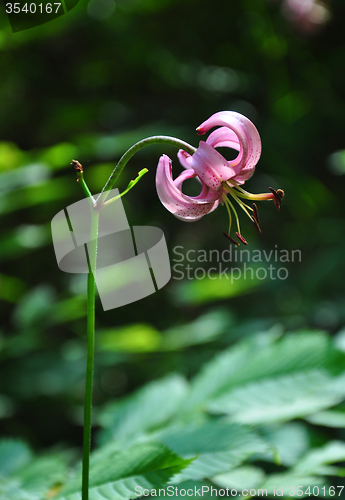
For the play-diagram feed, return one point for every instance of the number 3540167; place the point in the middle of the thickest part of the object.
(33, 8)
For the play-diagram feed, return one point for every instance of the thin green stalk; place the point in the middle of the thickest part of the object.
(91, 291)
(156, 139)
(84, 187)
(80, 174)
(129, 187)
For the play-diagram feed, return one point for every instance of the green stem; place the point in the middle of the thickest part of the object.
(84, 186)
(129, 187)
(91, 290)
(156, 139)
(91, 285)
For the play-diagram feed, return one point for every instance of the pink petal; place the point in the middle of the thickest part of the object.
(187, 174)
(223, 137)
(184, 158)
(242, 132)
(184, 207)
(211, 166)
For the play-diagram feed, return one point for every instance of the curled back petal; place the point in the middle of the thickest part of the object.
(223, 137)
(184, 207)
(248, 138)
(187, 174)
(184, 158)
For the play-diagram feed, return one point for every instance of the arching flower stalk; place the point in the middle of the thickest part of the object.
(218, 176)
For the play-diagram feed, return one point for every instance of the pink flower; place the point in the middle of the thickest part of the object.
(218, 176)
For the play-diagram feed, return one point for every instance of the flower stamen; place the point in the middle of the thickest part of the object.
(256, 213)
(277, 197)
(228, 237)
(240, 237)
(236, 216)
(229, 207)
(255, 218)
(237, 193)
(256, 224)
(244, 206)
(225, 199)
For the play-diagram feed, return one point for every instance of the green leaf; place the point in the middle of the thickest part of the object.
(118, 474)
(291, 441)
(330, 418)
(213, 288)
(292, 485)
(331, 453)
(22, 177)
(11, 157)
(131, 184)
(282, 398)
(59, 155)
(11, 288)
(210, 464)
(221, 446)
(42, 473)
(207, 465)
(146, 409)
(209, 437)
(137, 337)
(13, 455)
(34, 480)
(35, 306)
(141, 337)
(293, 353)
(44, 192)
(206, 328)
(247, 476)
(11, 490)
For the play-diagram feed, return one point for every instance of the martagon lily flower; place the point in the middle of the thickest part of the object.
(218, 176)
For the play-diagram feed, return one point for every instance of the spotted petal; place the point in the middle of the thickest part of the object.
(187, 208)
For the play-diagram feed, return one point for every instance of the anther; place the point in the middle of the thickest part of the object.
(256, 224)
(280, 193)
(256, 213)
(240, 237)
(228, 237)
(277, 197)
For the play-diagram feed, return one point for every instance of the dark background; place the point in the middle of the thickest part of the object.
(87, 86)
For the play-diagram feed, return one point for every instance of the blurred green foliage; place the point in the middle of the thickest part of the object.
(87, 86)
(230, 426)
